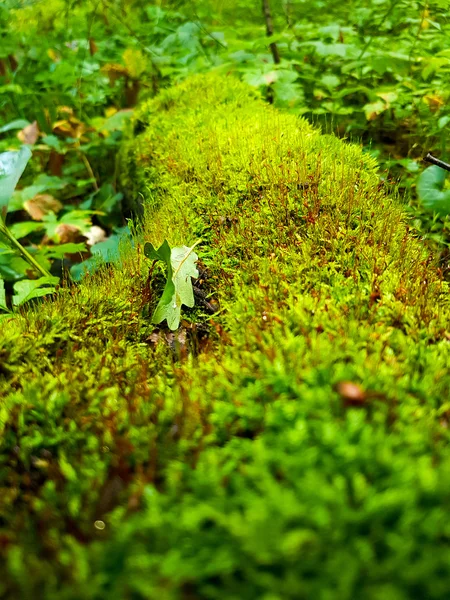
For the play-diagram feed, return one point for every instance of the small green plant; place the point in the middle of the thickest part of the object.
(12, 165)
(178, 290)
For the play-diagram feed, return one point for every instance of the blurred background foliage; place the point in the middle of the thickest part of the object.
(71, 72)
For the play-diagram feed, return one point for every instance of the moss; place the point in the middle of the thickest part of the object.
(251, 469)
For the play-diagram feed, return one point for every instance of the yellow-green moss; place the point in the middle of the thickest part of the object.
(246, 471)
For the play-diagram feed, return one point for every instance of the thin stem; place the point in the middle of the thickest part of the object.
(269, 31)
(287, 12)
(23, 251)
(89, 169)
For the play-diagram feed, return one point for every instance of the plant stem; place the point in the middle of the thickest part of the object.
(269, 31)
(88, 168)
(23, 251)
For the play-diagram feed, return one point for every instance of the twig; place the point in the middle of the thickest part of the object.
(269, 31)
(435, 161)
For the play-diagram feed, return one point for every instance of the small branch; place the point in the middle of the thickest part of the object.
(435, 161)
(269, 31)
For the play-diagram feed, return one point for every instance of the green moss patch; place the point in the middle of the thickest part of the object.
(299, 447)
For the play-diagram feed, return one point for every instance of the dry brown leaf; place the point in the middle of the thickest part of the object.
(351, 393)
(114, 72)
(29, 134)
(71, 127)
(55, 163)
(95, 235)
(41, 205)
(69, 234)
(53, 55)
(66, 110)
(92, 47)
(434, 101)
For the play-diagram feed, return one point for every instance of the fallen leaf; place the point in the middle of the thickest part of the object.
(434, 101)
(351, 393)
(71, 127)
(53, 55)
(95, 235)
(29, 134)
(41, 205)
(114, 72)
(92, 47)
(69, 233)
(66, 110)
(55, 163)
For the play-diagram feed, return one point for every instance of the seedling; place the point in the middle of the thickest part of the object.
(12, 165)
(178, 290)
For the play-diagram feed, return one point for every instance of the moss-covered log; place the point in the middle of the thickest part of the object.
(299, 448)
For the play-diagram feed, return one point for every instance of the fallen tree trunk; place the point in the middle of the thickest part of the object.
(300, 449)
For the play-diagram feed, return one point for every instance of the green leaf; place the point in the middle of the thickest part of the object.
(12, 165)
(42, 183)
(17, 124)
(118, 120)
(3, 296)
(430, 189)
(61, 249)
(21, 230)
(178, 290)
(33, 288)
(107, 251)
(12, 267)
(53, 142)
(330, 80)
(443, 121)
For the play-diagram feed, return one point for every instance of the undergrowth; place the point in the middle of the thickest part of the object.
(303, 451)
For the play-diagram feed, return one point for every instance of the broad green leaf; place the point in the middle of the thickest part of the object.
(430, 189)
(118, 120)
(288, 94)
(17, 124)
(178, 290)
(102, 252)
(42, 183)
(2, 296)
(12, 267)
(53, 142)
(24, 228)
(60, 250)
(443, 121)
(33, 288)
(373, 109)
(12, 165)
(329, 80)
